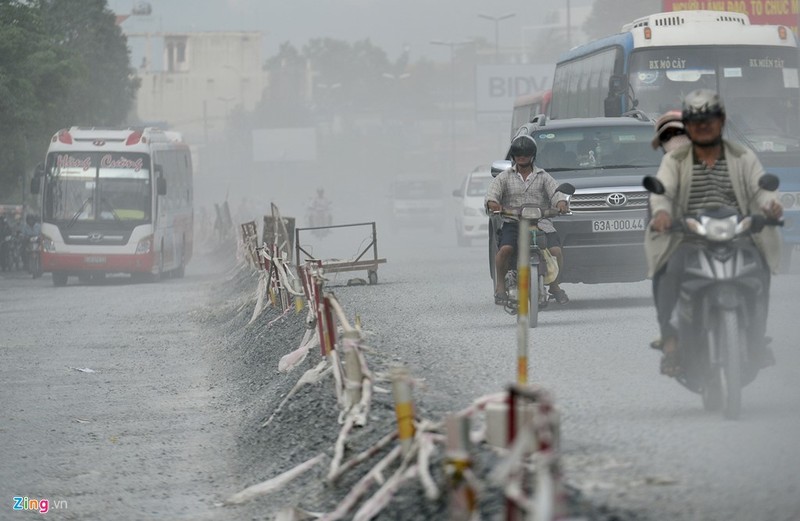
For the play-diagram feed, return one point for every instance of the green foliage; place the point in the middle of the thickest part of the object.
(608, 16)
(62, 63)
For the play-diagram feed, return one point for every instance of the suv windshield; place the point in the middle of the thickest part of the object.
(478, 186)
(417, 189)
(595, 147)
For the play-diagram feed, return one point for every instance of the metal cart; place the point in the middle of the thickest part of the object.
(371, 265)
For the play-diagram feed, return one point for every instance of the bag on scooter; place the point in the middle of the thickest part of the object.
(552, 267)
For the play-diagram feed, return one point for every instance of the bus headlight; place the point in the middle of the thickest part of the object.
(47, 244)
(788, 200)
(145, 245)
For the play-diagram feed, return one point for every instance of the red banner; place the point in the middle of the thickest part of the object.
(761, 12)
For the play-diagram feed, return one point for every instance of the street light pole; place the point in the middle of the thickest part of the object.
(569, 28)
(452, 45)
(496, 20)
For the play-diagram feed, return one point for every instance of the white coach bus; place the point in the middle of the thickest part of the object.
(115, 201)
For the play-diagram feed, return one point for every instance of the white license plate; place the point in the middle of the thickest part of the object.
(94, 259)
(617, 225)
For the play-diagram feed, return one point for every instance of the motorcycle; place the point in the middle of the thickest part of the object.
(540, 265)
(33, 249)
(318, 215)
(720, 315)
(7, 256)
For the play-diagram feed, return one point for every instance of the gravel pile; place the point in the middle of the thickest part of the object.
(307, 425)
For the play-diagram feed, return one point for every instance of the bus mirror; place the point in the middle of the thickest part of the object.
(161, 185)
(38, 173)
(617, 87)
(612, 106)
(616, 84)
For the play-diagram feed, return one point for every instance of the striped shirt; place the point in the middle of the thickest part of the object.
(710, 187)
(509, 190)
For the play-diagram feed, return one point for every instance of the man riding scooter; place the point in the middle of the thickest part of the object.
(710, 172)
(524, 183)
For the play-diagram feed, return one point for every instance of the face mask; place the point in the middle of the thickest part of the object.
(675, 142)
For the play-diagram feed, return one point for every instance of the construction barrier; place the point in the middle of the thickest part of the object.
(521, 423)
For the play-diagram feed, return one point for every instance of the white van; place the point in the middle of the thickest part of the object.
(417, 201)
(470, 215)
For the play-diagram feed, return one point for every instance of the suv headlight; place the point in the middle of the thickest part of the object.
(471, 212)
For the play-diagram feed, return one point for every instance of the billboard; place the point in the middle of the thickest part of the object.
(285, 144)
(497, 86)
(761, 12)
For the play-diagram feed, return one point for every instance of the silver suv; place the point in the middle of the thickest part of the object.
(606, 160)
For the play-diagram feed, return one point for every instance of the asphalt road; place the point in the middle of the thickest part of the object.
(146, 435)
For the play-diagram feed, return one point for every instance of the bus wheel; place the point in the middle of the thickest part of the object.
(161, 275)
(60, 278)
(180, 271)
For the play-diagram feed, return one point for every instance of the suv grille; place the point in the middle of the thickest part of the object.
(603, 201)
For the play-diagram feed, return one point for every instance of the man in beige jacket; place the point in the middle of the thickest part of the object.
(708, 173)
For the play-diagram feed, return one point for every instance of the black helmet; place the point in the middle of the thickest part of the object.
(523, 145)
(702, 104)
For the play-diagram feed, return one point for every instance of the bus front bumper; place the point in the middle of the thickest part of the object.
(79, 262)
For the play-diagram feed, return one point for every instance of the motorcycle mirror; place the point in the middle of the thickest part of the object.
(653, 185)
(566, 188)
(769, 182)
(499, 166)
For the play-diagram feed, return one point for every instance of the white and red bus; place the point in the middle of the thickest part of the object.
(115, 201)
(528, 106)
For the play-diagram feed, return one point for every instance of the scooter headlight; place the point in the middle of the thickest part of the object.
(719, 230)
(744, 225)
(531, 213)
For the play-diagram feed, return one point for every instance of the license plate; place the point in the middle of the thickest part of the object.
(94, 259)
(617, 225)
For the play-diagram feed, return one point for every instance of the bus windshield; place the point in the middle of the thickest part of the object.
(93, 186)
(758, 84)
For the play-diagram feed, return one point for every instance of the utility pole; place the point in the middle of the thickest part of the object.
(496, 20)
(452, 45)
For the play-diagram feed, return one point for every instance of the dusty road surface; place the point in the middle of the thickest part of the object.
(144, 401)
(110, 409)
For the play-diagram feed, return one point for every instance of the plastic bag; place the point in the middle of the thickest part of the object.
(552, 267)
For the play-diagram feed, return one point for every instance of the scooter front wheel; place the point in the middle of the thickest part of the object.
(730, 342)
(533, 298)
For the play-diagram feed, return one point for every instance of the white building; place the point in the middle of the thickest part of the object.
(201, 78)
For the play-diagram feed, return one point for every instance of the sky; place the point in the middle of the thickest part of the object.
(390, 24)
